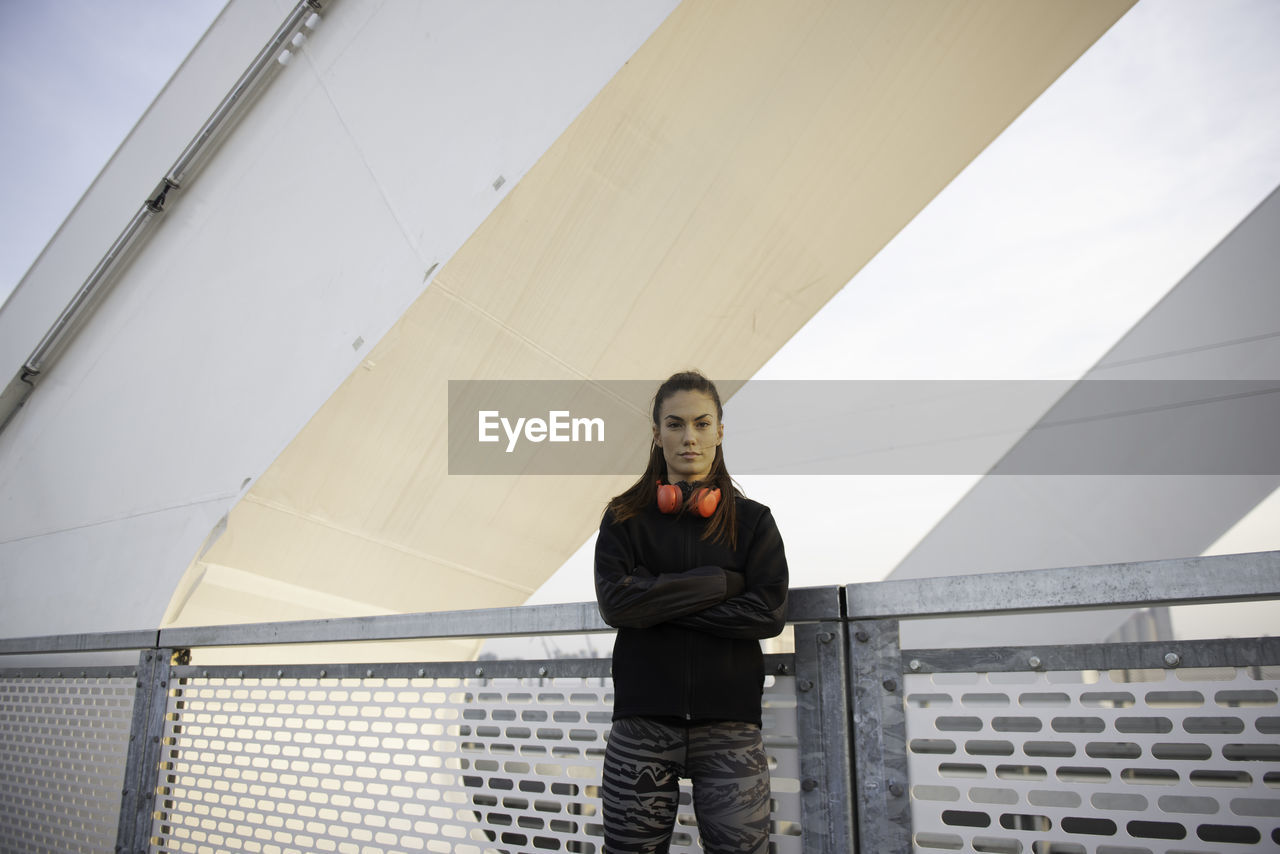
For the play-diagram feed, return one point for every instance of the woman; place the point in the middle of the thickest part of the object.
(693, 575)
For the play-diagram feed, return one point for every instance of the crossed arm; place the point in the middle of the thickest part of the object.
(712, 599)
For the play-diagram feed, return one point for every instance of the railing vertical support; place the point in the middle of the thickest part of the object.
(822, 721)
(879, 738)
(141, 774)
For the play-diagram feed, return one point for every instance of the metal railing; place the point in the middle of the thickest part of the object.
(1169, 746)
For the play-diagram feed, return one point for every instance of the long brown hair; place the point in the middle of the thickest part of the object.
(722, 527)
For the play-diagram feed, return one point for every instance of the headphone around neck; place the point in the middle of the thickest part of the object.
(703, 500)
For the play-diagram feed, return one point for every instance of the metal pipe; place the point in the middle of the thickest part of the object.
(1180, 581)
(87, 642)
(230, 109)
(1219, 578)
(89, 294)
(804, 605)
(264, 67)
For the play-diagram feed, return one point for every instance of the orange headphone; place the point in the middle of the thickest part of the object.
(703, 501)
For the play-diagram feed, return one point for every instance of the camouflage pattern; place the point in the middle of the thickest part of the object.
(726, 762)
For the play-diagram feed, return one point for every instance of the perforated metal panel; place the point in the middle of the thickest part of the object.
(1183, 761)
(367, 765)
(64, 743)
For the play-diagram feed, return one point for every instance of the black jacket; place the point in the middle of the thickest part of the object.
(690, 612)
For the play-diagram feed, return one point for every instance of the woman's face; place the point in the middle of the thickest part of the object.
(688, 432)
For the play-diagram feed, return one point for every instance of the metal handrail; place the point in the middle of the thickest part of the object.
(1179, 581)
(1220, 578)
(805, 605)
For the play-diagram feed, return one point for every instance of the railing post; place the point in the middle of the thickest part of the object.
(879, 738)
(141, 774)
(822, 722)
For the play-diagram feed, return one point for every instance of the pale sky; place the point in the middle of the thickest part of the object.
(75, 77)
(1060, 236)
(1050, 246)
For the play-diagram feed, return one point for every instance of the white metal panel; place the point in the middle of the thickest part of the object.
(426, 764)
(130, 175)
(1128, 760)
(63, 749)
(262, 289)
(736, 173)
(705, 173)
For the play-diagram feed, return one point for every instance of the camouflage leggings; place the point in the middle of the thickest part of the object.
(643, 764)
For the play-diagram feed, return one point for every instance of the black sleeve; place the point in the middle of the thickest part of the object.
(630, 596)
(761, 610)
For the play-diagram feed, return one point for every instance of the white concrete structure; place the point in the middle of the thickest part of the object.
(251, 426)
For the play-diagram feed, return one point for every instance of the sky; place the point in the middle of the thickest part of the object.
(1063, 233)
(75, 77)
(1148, 151)
(1051, 245)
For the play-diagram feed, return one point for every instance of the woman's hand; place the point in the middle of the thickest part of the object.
(734, 584)
(632, 596)
(760, 610)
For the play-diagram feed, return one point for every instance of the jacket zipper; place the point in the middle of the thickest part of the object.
(688, 680)
(688, 644)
